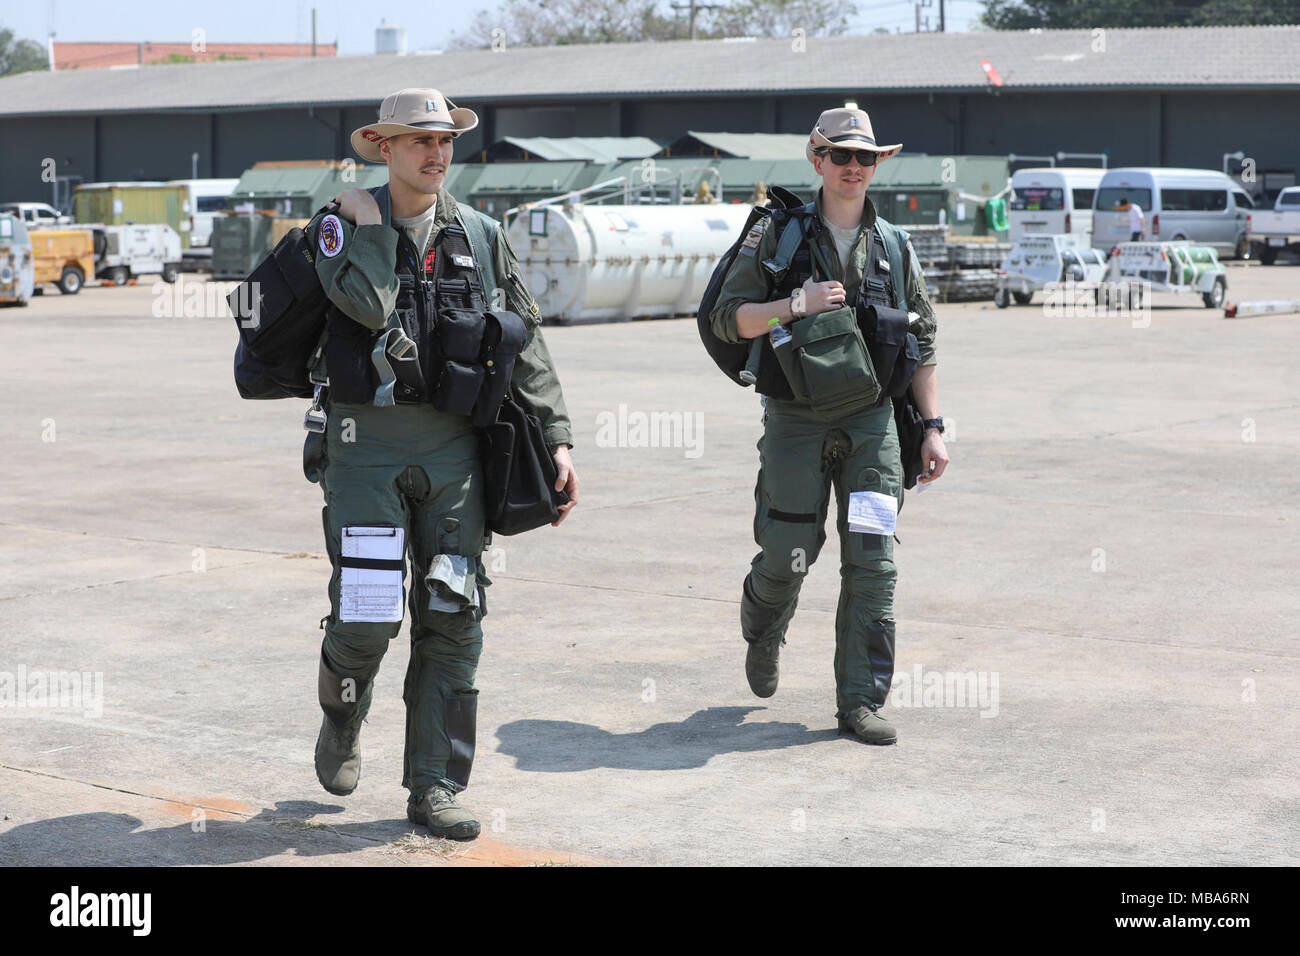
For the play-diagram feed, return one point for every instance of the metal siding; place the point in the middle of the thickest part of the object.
(1202, 127)
(248, 138)
(1128, 124)
(150, 146)
(28, 142)
(555, 120)
(1072, 122)
(668, 119)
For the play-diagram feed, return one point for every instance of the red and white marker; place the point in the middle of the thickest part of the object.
(1241, 310)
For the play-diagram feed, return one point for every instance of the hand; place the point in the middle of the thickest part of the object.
(359, 207)
(934, 457)
(566, 480)
(817, 297)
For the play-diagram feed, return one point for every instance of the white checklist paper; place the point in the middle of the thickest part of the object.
(371, 594)
(870, 512)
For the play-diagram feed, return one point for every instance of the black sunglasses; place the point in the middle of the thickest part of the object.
(840, 157)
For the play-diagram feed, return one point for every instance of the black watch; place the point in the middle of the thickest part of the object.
(934, 423)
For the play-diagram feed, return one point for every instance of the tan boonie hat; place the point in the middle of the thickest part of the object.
(411, 111)
(846, 128)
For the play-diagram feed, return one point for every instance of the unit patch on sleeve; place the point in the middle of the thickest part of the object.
(754, 236)
(330, 236)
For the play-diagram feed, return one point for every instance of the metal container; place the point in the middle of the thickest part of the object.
(941, 190)
(121, 204)
(239, 242)
(271, 192)
(622, 262)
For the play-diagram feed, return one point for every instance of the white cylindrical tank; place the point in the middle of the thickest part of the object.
(621, 262)
(390, 40)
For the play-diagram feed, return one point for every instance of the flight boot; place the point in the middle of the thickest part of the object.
(866, 724)
(345, 702)
(763, 628)
(763, 666)
(437, 809)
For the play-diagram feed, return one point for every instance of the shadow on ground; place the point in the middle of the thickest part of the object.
(88, 839)
(559, 746)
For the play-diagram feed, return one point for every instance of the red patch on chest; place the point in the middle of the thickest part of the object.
(429, 258)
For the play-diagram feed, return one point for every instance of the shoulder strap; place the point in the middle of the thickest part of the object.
(384, 200)
(792, 236)
(471, 220)
(894, 240)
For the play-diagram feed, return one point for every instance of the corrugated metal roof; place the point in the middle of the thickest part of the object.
(549, 178)
(597, 149)
(304, 180)
(738, 145)
(982, 175)
(1147, 58)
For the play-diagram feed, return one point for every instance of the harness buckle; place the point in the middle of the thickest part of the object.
(314, 420)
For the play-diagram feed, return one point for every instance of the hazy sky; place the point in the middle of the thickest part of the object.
(349, 22)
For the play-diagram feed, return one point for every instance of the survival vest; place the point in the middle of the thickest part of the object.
(881, 305)
(442, 344)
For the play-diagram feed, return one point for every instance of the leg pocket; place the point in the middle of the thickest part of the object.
(873, 501)
(371, 565)
(452, 579)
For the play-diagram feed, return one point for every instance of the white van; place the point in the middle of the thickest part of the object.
(1197, 205)
(207, 198)
(1052, 201)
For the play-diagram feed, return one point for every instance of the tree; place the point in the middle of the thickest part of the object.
(780, 18)
(20, 56)
(1246, 12)
(1085, 14)
(561, 22)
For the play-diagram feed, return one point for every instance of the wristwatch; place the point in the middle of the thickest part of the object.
(936, 423)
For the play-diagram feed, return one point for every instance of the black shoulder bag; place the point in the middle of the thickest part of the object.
(519, 472)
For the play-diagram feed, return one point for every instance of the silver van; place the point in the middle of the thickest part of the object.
(1200, 205)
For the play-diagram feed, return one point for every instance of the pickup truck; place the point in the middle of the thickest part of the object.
(1276, 230)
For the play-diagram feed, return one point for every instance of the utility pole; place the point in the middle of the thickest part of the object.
(692, 7)
(923, 22)
(313, 31)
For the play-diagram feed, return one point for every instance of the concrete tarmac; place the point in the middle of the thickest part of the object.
(1108, 568)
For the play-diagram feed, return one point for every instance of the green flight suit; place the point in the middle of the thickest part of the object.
(414, 468)
(801, 455)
